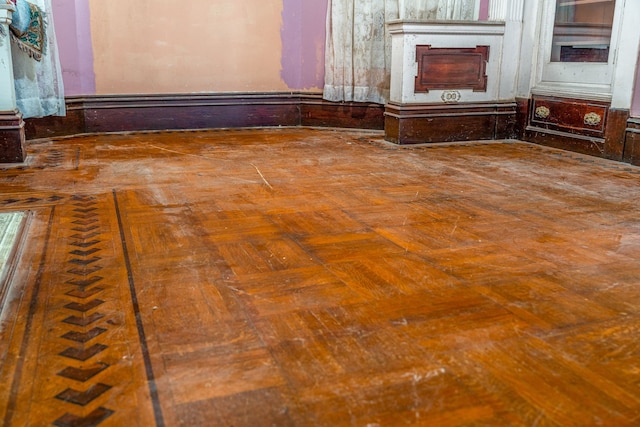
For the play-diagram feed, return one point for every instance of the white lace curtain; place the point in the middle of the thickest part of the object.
(39, 87)
(438, 9)
(358, 46)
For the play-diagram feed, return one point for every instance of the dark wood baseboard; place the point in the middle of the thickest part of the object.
(632, 142)
(48, 127)
(428, 123)
(12, 137)
(564, 123)
(315, 111)
(120, 113)
(619, 138)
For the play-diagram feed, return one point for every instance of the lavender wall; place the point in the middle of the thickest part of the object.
(635, 106)
(484, 10)
(303, 37)
(71, 20)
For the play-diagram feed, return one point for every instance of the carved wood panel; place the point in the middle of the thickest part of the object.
(570, 115)
(451, 68)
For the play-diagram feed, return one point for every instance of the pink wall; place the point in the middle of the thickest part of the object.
(484, 10)
(74, 44)
(635, 107)
(303, 38)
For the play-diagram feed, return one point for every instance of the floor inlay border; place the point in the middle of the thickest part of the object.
(73, 367)
(153, 388)
(17, 377)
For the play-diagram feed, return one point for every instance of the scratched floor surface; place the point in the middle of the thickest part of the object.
(305, 277)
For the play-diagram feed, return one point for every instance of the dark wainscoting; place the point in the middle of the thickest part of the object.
(583, 126)
(632, 142)
(12, 137)
(48, 127)
(428, 123)
(120, 113)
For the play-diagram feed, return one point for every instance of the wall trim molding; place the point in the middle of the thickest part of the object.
(130, 113)
(429, 123)
(632, 142)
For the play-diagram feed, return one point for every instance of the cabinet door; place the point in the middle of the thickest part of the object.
(578, 46)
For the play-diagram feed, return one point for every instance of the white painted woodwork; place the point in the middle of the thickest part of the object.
(502, 33)
(588, 80)
(406, 35)
(626, 60)
(7, 89)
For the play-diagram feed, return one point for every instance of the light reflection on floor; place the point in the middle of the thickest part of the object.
(10, 223)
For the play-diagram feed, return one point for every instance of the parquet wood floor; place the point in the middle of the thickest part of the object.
(307, 277)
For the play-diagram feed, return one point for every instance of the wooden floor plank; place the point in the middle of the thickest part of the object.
(298, 277)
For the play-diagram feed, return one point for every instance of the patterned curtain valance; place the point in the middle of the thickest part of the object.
(28, 29)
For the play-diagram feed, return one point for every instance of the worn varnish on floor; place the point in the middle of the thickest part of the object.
(305, 277)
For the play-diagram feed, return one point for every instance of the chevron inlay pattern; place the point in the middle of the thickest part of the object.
(86, 318)
(83, 283)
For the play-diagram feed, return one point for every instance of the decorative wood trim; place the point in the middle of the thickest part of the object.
(12, 137)
(584, 126)
(615, 134)
(117, 113)
(587, 118)
(451, 68)
(52, 126)
(632, 142)
(429, 123)
(315, 111)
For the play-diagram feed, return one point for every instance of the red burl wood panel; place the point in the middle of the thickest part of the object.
(451, 68)
(570, 115)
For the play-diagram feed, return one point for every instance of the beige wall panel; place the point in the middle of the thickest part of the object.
(163, 46)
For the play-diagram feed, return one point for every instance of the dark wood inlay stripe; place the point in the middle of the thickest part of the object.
(85, 244)
(85, 293)
(85, 215)
(83, 308)
(84, 271)
(144, 347)
(83, 337)
(83, 354)
(91, 420)
(85, 261)
(82, 375)
(85, 282)
(85, 229)
(85, 210)
(84, 253)
(83, 398)
(85, 236)
(83, 321)
(84, 222)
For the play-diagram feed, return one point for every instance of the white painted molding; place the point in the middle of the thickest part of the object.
(626, 57)
(406, 35)
(7, 88)
(498, 10)
(611, 82)
(506, 10)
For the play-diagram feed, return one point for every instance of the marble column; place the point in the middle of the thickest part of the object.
(12, 138)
